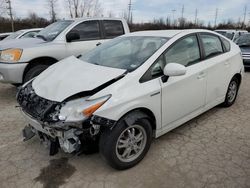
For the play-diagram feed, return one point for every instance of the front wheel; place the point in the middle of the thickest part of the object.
(232, 92)
(126, 145)
(34, 71)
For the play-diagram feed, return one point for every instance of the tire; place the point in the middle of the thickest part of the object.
(34, 71)
(110, 140)
(232, 92)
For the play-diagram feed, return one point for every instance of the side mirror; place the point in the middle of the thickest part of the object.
(174, 69)
(71, 36)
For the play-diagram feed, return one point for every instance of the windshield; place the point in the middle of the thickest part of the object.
(14, 35)
(52, 31)
(243, 40)
(125, 52)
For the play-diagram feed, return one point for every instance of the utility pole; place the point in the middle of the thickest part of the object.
(244, 18)
(196, 15)
(11, 15)
(182, 16)
(129, 11)
(173, 11)
(216, 16)
(182, 12)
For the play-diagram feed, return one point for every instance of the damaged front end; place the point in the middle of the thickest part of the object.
(69, 125)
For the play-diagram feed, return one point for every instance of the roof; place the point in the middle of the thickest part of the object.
(165, 33)
(91, 18)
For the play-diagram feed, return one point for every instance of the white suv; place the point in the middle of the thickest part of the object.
(129, 90)
(23, 59)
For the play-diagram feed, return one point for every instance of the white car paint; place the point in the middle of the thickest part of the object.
(83, 75)
(178, 100)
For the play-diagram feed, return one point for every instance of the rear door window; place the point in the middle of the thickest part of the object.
(212, 45)
(113, 28)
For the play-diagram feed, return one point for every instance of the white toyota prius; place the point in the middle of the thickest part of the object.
(129, 90)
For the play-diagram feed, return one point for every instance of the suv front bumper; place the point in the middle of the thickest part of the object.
(12, 72)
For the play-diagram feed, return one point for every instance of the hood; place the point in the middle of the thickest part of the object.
(20, 43)
(72, 76)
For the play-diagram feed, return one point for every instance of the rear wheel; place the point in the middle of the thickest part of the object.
(34, 71)
(126, 145)
(232, 92)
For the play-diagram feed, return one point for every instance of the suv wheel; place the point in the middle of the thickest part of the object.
(34, 71)
(126, 145)
(232, 92)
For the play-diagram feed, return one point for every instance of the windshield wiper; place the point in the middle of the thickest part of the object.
(42, 37)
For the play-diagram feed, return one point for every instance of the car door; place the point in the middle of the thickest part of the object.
(218, 68)
(90, 37)
(184, 95)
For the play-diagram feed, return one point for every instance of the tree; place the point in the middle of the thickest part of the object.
(2, 7)
(80, 8)
(52, 5)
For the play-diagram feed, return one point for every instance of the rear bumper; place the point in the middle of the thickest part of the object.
(12, 73)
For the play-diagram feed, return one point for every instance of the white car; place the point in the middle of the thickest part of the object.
(4, 35)
(24, 59)
(231, 34)
(129, 90)
(24, 33)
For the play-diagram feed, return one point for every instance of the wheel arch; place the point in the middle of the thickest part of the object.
(239, 77)
(143, 113)
(45, 60)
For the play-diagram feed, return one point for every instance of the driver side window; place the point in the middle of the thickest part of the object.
(185, 52)
(88, 30)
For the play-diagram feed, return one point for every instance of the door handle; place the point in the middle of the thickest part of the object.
(226, 63)
(98, 44)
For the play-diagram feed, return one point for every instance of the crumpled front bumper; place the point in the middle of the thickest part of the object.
(67, 139)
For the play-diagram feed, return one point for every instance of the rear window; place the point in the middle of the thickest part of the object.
(113, 28)
(226, 44)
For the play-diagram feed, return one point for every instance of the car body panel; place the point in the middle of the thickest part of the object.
(55, 83)
(172, 103)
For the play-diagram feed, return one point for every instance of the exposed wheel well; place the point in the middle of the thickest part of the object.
(148, 113)
(238, 76)
(39, 61)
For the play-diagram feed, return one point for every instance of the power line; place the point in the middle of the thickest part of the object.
(10, 14)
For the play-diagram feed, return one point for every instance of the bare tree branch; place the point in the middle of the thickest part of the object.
(52, 6)
(81, 8)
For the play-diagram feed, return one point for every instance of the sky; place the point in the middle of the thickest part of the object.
(147, 10)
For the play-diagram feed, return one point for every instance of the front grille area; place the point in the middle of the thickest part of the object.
(39, 108)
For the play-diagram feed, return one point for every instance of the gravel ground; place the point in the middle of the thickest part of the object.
(212, 150)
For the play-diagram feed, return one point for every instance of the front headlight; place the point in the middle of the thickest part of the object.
(10, 55)
(80, 109)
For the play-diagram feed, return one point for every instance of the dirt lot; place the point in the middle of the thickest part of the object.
(212, 150)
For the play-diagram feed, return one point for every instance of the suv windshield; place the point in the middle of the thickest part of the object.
(243, 40)
(52, 31)
(125, 52)
(14, 35)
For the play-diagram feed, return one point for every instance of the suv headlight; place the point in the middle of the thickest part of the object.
(11, 55)
(80, 109)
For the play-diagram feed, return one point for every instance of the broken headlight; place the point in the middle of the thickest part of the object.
(81, 109)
